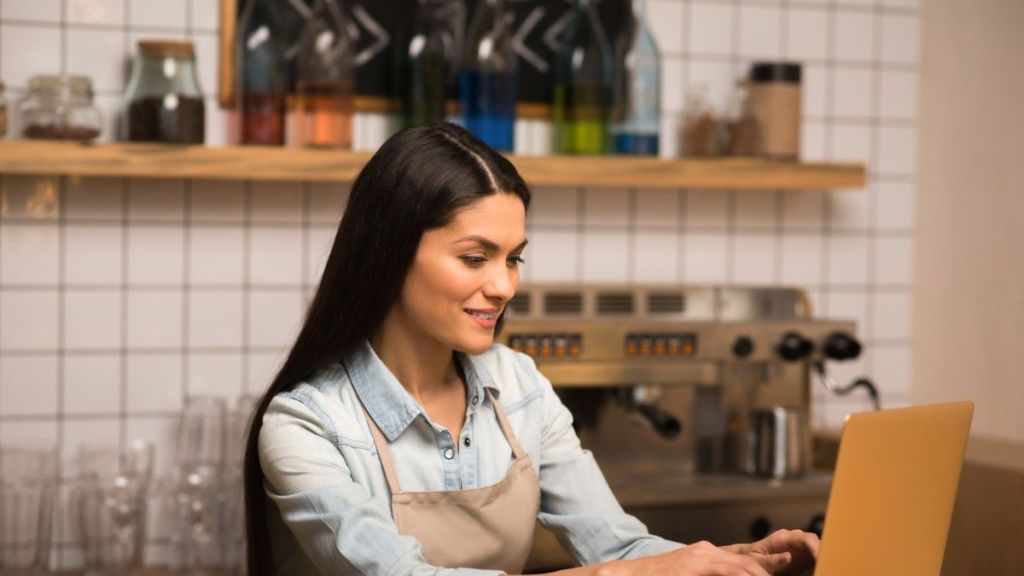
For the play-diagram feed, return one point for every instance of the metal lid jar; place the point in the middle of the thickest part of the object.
(775, 103)
(163, 100)
(59, 108)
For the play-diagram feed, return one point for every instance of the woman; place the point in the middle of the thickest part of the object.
(397, 438)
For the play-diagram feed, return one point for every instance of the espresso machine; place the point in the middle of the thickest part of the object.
(695, 400)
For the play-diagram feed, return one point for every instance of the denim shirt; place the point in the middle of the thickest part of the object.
(333, 505)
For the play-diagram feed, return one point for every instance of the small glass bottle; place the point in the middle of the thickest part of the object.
(636, 94)
(487, 83)
(165, 103)
(583, 76)
(59, 108)
(325, 81)
(261, 83)
(429, 60)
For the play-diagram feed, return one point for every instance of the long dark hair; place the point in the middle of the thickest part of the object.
(418, 180)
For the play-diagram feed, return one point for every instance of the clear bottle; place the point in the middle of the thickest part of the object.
(583, 75)
(636, 91)
(164, 101)
(430, 59)
(261, 84)
(325, 78)
(59, 108)
(487, 83)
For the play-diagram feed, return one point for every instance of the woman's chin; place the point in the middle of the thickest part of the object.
(476, 346)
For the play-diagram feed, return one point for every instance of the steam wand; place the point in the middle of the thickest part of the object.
(830, 384)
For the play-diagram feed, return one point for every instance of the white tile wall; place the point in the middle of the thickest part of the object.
(119, 297)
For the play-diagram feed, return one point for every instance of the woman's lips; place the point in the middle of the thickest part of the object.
(483, 318)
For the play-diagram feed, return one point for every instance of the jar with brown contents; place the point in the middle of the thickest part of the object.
(59, 108)
(775, 101)
(163, 98)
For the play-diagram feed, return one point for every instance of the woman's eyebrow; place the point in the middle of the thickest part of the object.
(488, 245)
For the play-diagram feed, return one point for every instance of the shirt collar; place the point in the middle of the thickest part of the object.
(390, 405)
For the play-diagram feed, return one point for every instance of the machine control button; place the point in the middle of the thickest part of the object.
(759, 528)
(742, 347)
(794, 347)
(841, 346)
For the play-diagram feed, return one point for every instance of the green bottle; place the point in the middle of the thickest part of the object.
(583, 76)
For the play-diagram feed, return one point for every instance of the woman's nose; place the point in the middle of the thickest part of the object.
(503, 283)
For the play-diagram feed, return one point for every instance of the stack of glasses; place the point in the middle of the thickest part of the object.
(207, 486)
(109, 503)
(28, 489)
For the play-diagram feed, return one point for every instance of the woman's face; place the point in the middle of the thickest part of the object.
(464, 274)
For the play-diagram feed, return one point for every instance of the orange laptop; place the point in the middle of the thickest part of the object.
(892, 495)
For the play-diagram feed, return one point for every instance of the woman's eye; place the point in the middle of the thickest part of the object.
(516, 261)
(474, 261)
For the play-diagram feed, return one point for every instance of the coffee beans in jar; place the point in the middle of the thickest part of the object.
(164, 100)
(59, 108)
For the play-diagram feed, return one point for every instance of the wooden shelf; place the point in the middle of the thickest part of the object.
(265, 163)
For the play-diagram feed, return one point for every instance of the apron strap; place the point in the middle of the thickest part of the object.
(384, 452)
(506, 427)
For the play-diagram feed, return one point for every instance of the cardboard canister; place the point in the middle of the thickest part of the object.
(775, 102)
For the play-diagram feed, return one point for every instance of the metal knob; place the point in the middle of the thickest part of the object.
(841, 346)
(794, 346)
(742, 347)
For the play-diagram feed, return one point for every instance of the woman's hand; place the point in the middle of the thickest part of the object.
(700, 559)
(799, 548)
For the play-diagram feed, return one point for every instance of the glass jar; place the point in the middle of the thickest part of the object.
(163, 100)
(59, 108)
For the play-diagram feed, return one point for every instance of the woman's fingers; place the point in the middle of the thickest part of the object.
(773, 562)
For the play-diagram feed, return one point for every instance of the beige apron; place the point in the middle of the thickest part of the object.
(487, 528)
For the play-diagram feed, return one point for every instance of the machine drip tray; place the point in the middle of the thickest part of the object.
(668, 490)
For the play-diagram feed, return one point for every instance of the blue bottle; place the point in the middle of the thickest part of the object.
(636, 91)
(487, 84)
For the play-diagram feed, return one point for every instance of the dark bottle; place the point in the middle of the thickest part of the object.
(636, 94)
(487, 84)
(429, 60)
(325, 78)
(261, 85)
(583, 75)
(165, 103)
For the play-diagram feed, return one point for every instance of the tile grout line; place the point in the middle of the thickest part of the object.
(186, 289)
(246, 284)
(59, 503)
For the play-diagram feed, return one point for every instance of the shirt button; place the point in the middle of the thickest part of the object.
(466, 441)
(476, 399)
(449, 454)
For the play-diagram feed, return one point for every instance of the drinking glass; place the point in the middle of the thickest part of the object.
(200, 496)
(28, 490)
(109, 505)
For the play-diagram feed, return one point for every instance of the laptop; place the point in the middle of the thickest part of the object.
(893, 491)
